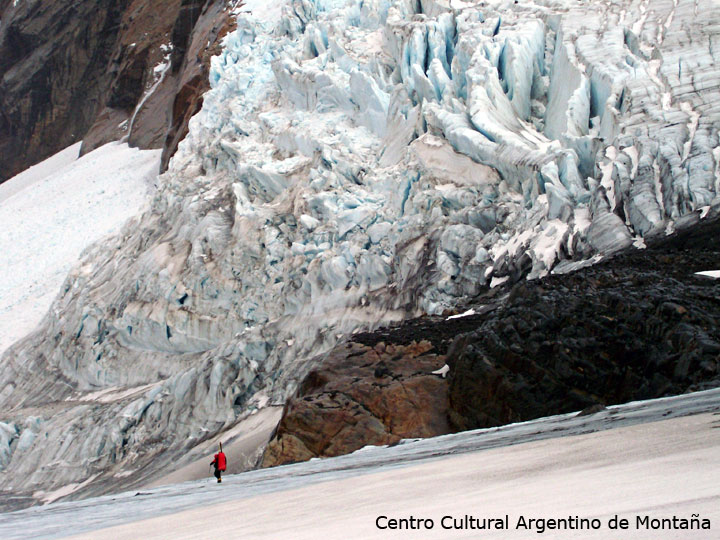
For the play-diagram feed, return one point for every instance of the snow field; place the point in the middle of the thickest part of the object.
(50, 213)
(668, 468)
(657, 458)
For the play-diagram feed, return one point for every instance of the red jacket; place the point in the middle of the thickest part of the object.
(219, 461)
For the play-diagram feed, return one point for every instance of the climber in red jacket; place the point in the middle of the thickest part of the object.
(220, 463)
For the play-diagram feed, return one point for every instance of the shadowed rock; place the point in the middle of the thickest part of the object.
(638, 326)
(100, 72)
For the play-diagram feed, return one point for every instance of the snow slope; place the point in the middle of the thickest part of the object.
(38, 172)
(552, 479)
(50, 213)
(657, 458)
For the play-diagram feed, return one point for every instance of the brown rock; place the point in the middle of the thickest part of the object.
(344, 404)
(636, 326)
(288, 446)
(145, 28)
(53, 62)
(213, 24)
(110, 125)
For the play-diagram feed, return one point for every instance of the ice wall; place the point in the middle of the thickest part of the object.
(358, 162)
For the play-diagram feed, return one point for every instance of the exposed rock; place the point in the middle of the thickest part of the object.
(161, 68)
(141, 57)
(53, 62)
(110, 125)
(192, 79)
(359, 396)
(592, 409)
(638, 326)
(101, 71)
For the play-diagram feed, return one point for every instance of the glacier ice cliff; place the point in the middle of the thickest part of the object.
(355, 163)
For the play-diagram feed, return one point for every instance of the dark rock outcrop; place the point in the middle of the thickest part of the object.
(641, 325)
(92, 71)
(53, 62)
(191, 78)
(143, 43)
(186, 34)
(361, 395)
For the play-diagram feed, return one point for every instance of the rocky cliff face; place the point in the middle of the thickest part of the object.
(53, 59)
(191, 65)
(101, 71)
(358, 163)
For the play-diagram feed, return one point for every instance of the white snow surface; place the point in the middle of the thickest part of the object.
(467, 313)
(50, 213)
(710, 273)
(654, 458)
(40, 171)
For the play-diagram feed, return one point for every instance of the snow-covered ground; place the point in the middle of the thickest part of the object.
(657, 458)
(50, 213)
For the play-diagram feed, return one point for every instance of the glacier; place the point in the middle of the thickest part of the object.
(356, 163)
